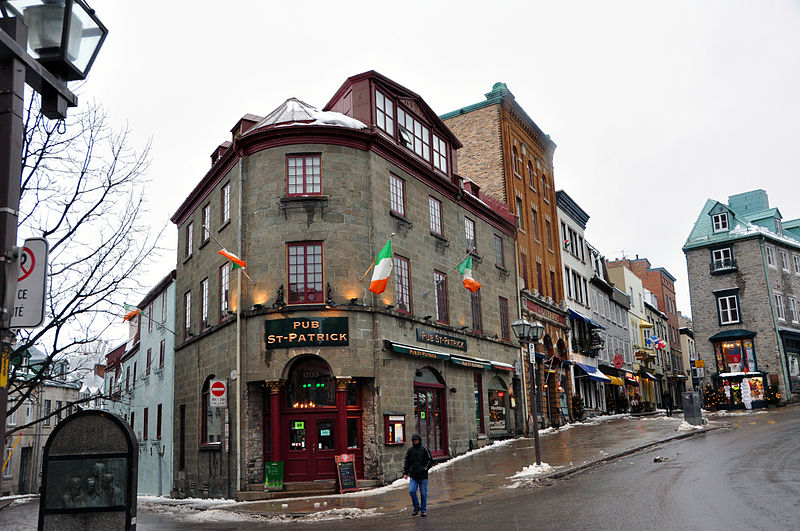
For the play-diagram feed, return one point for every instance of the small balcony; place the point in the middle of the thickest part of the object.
(720, 267)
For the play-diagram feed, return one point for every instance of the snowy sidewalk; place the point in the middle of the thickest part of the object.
(505, 464)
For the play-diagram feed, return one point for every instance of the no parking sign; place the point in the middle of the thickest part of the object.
(29, 299)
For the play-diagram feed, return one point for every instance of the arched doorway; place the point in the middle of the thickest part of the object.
(498, 406)
(430, 410)
(309, 421)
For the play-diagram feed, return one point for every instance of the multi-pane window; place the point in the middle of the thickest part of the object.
(225, 203)
(796, 260)
(204, 303)
(728, 306)
(469, 233)
(384, 112)
(435, 209)
(779, 308)
(397, 193)
(793, 309)
(206, 219)
(149, 361)
(535, 223)
(187, 308)
(723, 258)
(164, 308)
(150, 318)
(12, 417)
(305, 273)
(784, 260)
(145, 423)
(477, 319)
(720, 221)
(304, 174)
(549, 230)
(440, 287)
(520, 223)
(402, 284)
(499, 258)
(47, 407)
(224, 286)
(504, 328)
(161, 353)
(515, 160)
(189, 238)
(439, 153)
(770, 255)
(413, 134)
(544, 187)
(531, 176)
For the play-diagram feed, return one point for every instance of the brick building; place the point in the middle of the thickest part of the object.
(315, 364)
(511, 158)
(744, 282)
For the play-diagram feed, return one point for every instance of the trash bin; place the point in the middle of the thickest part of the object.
(691, 408)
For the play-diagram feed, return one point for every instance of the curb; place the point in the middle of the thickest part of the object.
(580, 468)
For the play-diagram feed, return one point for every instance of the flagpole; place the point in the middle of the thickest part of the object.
(372, 264)
(436, 284)
(223, 247)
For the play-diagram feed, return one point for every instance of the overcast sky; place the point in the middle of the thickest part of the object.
(654, 106)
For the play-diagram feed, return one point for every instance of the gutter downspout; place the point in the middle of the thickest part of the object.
(781, 353)
(239, 333)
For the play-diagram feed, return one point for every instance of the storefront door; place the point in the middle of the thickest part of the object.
(311, 450)
(428, 404)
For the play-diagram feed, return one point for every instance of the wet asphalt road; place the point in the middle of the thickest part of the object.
(744, 477)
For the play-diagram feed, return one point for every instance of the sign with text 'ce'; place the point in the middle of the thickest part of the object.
(29, 299)
(217, 393)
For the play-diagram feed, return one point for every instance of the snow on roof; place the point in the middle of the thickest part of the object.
(296, 112)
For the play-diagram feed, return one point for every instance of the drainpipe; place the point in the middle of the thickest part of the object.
(781, 354)
(239, 334)
(524, 351)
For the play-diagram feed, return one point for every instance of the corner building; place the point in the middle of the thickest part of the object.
(308, 198)
(507, 154)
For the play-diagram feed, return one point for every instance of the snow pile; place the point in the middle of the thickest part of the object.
(494, 446)
(219, 515)
(533, 470)
(396, 484)
(685, 426)
(338, 514)
(295, 112)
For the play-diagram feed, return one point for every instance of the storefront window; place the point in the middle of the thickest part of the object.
(498, 400)
(310, 385)
(325, 435)
(735, 356)
(794, 370)
(297, 435)
(353, 433)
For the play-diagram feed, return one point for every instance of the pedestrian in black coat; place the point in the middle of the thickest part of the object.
(417, 463)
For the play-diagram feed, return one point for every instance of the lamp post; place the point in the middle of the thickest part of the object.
(64, 37)
(528, 333)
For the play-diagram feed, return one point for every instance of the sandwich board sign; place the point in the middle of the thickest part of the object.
(218, 393)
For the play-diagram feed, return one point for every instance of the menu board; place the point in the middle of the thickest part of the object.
(346, 472)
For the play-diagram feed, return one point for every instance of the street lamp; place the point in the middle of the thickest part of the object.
(528, 333)
(64, 37)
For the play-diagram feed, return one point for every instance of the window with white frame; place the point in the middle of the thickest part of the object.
(793, 309)
(499, 258)
(225, 203)
(12, 418)
(439, 154)
(720, 221)
(469, 233)
(728, 307)
(780, 311)
(397, 192)
(520, 224)
(187, 308)
(413, 134)
(402, 284)
(204, 303)
(164, 308)
(8, 458)
(770, 256)
(224, 287)
(304, 174)
(384, 113)
(189, 238)
(796, 260)
(785, 260)
(435, 209)
(722, 258)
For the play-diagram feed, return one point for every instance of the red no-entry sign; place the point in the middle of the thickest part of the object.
(218, 393)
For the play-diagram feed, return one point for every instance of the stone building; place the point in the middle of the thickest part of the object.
(744, 281)
(315, 365)
(507, 154)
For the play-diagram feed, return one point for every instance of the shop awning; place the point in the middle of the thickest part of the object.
(576, 315)
(737, 333)
(417, 352)
(648, 375)
(594, 373)
(733, 374)
(466, 361)
(500, 366)
(631, 381)
(615, 380)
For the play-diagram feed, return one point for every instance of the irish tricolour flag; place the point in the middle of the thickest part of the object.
(465, 268)
(383, 268)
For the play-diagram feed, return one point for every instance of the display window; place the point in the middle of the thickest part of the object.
(735, 356)
(310, 385)
(740, 390)
(498, 405)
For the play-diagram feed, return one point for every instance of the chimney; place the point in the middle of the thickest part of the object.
(100, 370)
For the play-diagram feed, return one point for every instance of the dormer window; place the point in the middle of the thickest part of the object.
(720, 221)
(778, 226)
(384, 113)
(414, 135)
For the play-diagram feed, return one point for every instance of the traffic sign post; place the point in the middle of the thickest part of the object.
(218, 393)
(28, 311)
